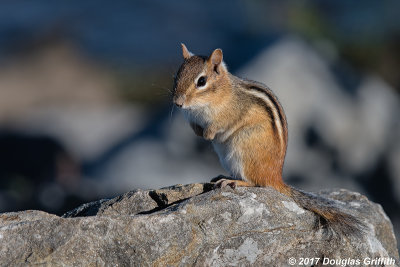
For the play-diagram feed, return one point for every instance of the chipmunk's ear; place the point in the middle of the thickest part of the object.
(216, 57)
(185, 52)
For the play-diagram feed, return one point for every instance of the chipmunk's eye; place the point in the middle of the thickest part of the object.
(201, 81)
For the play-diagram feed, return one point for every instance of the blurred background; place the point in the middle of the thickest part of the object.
(85, 105)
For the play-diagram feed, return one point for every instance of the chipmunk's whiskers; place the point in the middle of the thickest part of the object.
(170, 114)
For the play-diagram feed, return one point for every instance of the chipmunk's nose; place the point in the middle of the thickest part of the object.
(180, 100)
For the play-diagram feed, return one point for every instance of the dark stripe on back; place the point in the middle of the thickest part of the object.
(262, 103)
(273, 100)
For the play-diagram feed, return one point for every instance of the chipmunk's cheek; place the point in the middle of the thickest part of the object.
(200, 103)
(207, 101)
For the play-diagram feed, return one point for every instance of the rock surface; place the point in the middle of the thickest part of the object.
(190, 225)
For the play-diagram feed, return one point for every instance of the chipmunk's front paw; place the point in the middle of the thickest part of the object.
(209, 133)
(223, 183)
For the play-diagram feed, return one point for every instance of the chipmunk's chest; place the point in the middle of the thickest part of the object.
(230, 158)
(199, 117)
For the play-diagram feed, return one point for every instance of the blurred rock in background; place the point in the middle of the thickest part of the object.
(85, 109)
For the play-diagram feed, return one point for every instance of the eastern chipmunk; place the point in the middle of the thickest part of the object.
(248, 129)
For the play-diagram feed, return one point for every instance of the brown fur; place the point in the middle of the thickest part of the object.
(246, 120)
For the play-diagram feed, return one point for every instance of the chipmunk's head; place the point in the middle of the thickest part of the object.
(200, 81)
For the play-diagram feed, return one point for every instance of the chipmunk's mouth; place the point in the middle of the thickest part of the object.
(182, 104)
(193, 106)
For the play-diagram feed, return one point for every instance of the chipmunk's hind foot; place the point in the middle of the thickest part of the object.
(222, 181)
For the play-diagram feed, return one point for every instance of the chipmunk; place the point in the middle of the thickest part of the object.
(248, 129)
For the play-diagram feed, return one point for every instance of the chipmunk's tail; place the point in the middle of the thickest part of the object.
(329, 212)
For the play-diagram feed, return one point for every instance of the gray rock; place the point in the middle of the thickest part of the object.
(191, 225)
